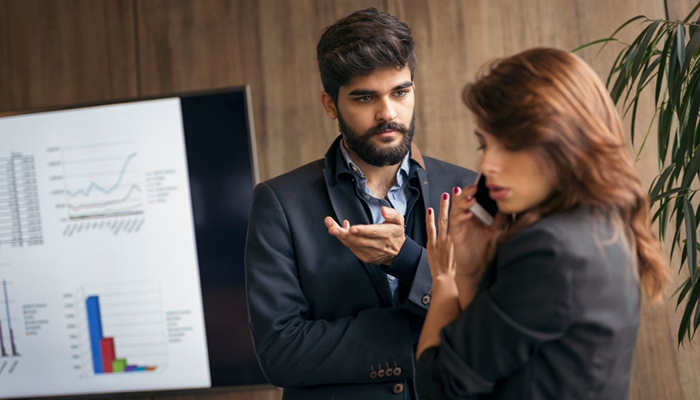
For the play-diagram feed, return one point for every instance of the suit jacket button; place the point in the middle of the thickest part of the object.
(380, 373)
(425, 300)
(398, 388)
(373, 375)
(397, 371)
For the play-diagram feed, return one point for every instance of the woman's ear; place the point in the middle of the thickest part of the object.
(329, 105)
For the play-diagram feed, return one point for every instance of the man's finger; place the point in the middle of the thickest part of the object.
(373, 231)
(392, 216)
(333, 228)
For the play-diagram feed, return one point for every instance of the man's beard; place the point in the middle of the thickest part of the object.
(376, 156)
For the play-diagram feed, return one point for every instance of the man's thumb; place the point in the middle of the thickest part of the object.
(391, 215)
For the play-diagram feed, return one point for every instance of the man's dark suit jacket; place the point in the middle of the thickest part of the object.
(325, 324)
(556, 317)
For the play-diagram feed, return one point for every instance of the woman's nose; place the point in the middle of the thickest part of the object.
(489, 163)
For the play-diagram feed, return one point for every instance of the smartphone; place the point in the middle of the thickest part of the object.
(485, 207)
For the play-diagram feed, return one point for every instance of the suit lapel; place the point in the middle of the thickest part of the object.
(347, 206)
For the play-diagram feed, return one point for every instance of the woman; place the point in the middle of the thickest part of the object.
(545, 303)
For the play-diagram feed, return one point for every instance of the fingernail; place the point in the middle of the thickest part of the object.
(445, 196)
(455, 190)
(430, 211)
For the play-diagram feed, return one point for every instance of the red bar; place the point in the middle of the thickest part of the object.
(107, 350)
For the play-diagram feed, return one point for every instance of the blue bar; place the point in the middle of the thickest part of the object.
(92, 304)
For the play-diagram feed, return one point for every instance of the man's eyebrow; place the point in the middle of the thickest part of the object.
(368, 92)
(362, 92)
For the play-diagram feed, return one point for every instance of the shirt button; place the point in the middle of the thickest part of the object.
(366, 197)
(425, 300)
(398, 388)
(392, 277)
(354, 168)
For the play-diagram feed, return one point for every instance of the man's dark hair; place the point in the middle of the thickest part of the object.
(361, 43)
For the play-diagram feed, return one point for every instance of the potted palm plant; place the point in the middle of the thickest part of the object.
(665, 58)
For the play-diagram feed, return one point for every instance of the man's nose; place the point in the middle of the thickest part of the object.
(385, 111)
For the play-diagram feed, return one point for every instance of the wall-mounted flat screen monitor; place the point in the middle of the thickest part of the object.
(122, 231)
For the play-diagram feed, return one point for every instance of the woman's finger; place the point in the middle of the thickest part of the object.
(469, 190)
(430, 225)
(444, 215)
(461, 205)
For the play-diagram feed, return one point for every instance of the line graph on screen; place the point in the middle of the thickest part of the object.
(100, 181)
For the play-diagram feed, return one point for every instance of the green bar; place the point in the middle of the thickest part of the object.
(118, 365)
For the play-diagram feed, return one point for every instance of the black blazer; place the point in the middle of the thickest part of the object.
(556, 317)
(324, 324)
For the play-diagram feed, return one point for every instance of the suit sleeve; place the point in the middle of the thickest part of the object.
(411, 267)
(294, 350)
(528, 305)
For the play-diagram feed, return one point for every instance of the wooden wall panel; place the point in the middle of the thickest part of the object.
(229, 394)
(679, 9)
(193, 45)
(186, 45)
(298, 130)
(63, 52)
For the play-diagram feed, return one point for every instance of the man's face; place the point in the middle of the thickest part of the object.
(375, 116)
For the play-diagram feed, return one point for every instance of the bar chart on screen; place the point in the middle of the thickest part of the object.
(118, 328)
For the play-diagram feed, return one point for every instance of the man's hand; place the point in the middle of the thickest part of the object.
(374, 243)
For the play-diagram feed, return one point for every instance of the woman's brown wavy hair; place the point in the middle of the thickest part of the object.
(553, 103)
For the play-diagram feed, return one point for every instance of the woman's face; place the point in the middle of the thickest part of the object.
(516, 179)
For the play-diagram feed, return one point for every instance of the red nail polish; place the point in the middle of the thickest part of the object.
(455, 190)
(444, 196)
(430, 211)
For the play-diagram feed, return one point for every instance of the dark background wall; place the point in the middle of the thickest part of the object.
(66, 52)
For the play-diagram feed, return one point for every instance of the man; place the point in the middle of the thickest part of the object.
(336, 274)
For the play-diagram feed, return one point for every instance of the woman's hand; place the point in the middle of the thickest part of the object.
(469, 236)
(440, 247)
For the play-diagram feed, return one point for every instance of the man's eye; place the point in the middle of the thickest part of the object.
(401, 93)
(363, 99)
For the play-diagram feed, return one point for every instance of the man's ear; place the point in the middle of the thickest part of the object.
(329, 105)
